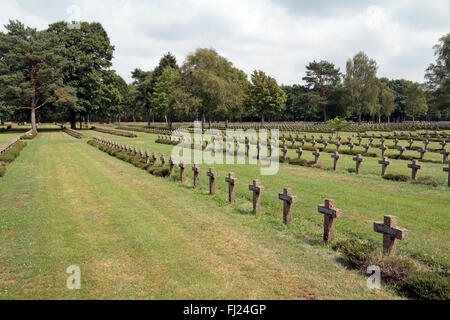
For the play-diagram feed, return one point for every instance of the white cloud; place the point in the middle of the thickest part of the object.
(275, 37)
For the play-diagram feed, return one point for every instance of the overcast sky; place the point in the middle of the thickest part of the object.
(276, 36)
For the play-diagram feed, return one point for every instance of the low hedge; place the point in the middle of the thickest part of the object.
(115, 132)
(73, 133)
(135, 160)
(10, 155)
(400, 272)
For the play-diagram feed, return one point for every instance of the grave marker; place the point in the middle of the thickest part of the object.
(257, 191)
(336, 157)
(212, 174)
(182, 173)
(390, 233)
(415, 167)
(330, 212)
(358, 159)
(196, 170)
(288, 200)
(447, 170)
(299, 152)
(384, 164)
(316, 155)
(232, 181)
(445, 155)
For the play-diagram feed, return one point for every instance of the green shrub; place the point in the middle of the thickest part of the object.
(2, 171)
(355, 252)
(394, 268)
(396, 177)
(298, 162)
(161, 172)
(427, 285)
(351, 170)
(426, 180)
(115, 132)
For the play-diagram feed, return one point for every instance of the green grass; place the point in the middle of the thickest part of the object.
(365, 198)
(138, 236)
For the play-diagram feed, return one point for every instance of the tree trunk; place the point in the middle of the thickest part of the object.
(33, 118)
(73, 120)
(148, 118)
(262, 119)
(359, 118)
(325, 116)
(169, 122)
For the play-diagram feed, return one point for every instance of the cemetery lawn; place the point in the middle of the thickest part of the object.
(134, 235)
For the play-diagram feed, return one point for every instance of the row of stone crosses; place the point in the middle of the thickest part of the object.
(384, 162)
(422, 151)
(388, 228)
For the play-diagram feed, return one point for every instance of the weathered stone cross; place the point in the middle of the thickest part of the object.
(383, 149)
(232, 181)
(257, 189)
(336, 157)
(445, 155)
(212, 174)
(288, 200)
(415, 167)
(384, 164)
(182, 173)
(390, 233)
(358, 159)
(316, 155)
(196, 170)
(299, 152)
(330, 212)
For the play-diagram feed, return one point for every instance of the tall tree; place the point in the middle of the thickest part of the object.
(387, 100)
(264, 96)
(210, 78)
(321, 76)
(89, 54)
(31, 63)
(438, 76)
(170, 98)
(416, 102)
(361, 84)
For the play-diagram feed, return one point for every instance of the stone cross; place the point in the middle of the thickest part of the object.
(141, 152)
(196, 170)
(336, 157)
(358, 159)
(426, 143)
(232, 181)
(330, 212)
(288, 200)
(182, 173)
(313, 142)
(303, 142)
(212, 174)
(401, 150)
(351, 145)
(447, 170)
(299, 152)
(445, 155)
(163, 160)
(147, 156)
(257, 191)
(154, 158)
(338, 145)
(359, 140)
(325, 144)
(366, 147)
(382, 141)
(171, 165)
(410, 143)
(284, 150)
(316, 155)
(415, 167)
(349, 139)
(370, 141)
(443, 144)
(384, 164)
(383, 149)
(422, 152)
(396, 141)
(390, 233)
(293, 142)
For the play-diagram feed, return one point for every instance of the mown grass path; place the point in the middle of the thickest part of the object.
(137, 236)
